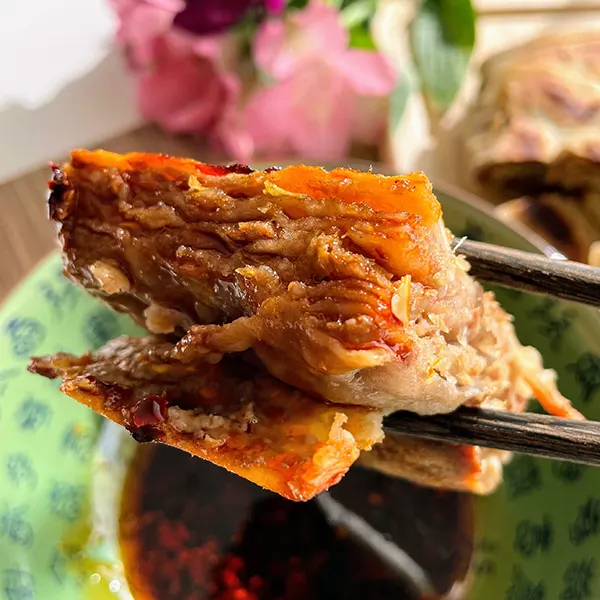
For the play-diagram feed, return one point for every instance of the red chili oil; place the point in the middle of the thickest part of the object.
(192, 531)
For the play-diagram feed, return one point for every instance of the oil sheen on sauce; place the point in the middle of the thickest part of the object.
(192, 531)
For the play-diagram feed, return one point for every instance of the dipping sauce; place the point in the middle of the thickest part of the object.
(192, 531)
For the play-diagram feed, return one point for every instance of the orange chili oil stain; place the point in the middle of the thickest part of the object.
(192, 531)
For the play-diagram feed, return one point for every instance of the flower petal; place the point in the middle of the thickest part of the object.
(231, 135)
(212, 16)
(368, 72)
(308, 115)
(267, 116)
(139, 25)
(184, 92)
(223, 50)
(275, 6)
(280, 45)
(323, 105)
(171, 5)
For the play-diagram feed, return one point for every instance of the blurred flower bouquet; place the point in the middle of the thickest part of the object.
(276, 79)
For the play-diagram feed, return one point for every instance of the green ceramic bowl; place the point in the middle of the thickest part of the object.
(536, 538)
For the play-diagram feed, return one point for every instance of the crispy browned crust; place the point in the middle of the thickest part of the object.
(436, 464)
(232, 414)
(252, 424)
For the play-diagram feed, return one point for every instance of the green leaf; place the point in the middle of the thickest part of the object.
(442, 36)
(296, 4)
(398, 99)
(356, 16)
(343, 4)
(358, 12)
(458, 18)
(360, 37)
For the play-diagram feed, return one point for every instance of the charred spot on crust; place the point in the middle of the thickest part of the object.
(57, 175)
(63, 199)
(222, 170)
(57, 189)
(39, 366)
(239, 169)
(143, 435)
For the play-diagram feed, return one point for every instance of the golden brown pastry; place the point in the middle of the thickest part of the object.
(232, 413)
(342, 284)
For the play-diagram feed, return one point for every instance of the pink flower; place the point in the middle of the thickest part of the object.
(141, 22)
(189, 89)
(325, 94)
(186, 83)
(204, 17)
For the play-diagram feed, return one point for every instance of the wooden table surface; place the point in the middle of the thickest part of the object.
(26, 235)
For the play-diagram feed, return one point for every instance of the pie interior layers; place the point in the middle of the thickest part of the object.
(240, 418)
(343, 283)
(534, 126)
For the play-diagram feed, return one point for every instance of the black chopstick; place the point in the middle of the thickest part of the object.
(532, 272)
(528, 433)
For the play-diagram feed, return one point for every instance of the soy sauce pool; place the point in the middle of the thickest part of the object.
(192, 531)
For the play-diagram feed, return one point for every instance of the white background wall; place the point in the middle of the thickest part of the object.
(61, 82)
